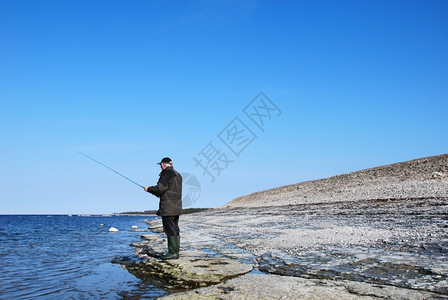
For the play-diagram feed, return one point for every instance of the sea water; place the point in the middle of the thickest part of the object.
(69, 257)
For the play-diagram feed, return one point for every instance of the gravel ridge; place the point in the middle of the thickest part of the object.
(417, 179)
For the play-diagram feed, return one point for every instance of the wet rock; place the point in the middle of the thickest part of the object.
(192, 270)
(357, 264)
(195, 267)
(154, 227)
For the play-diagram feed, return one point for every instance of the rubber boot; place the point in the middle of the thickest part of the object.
(173, 248)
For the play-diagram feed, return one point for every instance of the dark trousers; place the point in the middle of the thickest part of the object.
(171, 225)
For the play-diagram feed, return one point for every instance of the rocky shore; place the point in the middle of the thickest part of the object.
(394, 248)
(420, 178)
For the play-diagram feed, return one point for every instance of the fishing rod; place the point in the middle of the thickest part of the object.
(112, 170)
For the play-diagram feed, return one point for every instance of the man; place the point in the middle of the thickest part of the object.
(169, 190)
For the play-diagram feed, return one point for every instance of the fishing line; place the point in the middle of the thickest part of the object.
(112, 170)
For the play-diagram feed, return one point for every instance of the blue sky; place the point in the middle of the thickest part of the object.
(356, 84)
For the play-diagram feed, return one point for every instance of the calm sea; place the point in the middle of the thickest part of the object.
(69, 257)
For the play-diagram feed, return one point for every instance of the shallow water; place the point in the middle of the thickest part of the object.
(63, 257)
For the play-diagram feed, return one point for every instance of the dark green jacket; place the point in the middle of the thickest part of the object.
(169, 190)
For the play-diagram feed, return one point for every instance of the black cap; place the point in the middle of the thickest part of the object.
(165, 160)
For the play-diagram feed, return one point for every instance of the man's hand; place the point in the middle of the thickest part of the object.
(147, 189)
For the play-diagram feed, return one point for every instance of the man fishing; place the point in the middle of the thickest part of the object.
(169, 190)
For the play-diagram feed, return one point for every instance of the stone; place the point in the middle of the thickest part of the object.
(191, 270)
(266, 287)
(373, 234)
(194, 268)
(420, 178)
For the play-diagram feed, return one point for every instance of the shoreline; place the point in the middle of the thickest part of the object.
(372, 249)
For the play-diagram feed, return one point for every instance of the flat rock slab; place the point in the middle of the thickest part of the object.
(402, 243)
(257, 287)
(373, 249)
(195, 268)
